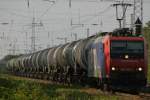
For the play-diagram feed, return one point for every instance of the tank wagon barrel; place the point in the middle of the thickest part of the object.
(43, 60)
(50, 58)
(60, 58)
(69, 54)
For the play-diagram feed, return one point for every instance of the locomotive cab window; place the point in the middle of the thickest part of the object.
(135, 49)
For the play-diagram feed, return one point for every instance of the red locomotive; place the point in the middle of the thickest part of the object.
(125, 60)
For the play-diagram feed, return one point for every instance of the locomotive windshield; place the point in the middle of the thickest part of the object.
(135, 49)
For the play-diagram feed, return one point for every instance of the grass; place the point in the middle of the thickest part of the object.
(13, 88)
(148, 77)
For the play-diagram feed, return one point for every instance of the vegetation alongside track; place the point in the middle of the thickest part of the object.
(147, 36)
(14, 88)
(148, 74)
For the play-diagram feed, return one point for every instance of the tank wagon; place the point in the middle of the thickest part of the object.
(111, 59)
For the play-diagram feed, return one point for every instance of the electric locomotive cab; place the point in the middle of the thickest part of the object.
(126, 60)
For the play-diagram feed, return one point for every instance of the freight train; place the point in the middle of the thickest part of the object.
(109, 59)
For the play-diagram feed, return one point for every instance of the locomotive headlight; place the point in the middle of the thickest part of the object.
(126, 56)
(113, 68)
(140, 69)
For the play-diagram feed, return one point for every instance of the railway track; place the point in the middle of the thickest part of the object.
(127, 96)
(145, 96)
(145, 92)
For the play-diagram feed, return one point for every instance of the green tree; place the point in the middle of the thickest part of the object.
(147, 36)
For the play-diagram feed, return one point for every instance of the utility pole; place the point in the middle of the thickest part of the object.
(26, 42)
(132, 21)
(2, 37)
(13, 47)
(88, 32)
(70, 3)
(52, 39)
(33, 36)
(75, 36)
(48, 35)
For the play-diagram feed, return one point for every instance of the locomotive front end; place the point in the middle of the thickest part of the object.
(128, 61)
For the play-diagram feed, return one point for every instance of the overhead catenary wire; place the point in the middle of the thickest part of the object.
(46, 11)
(93, 16)
(86, 20)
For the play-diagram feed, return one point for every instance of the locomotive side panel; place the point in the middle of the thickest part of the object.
(96, 60)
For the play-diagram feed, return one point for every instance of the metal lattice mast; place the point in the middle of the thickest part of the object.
(26, 42)
(138, 10)
(33, 36)
(138, 16)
